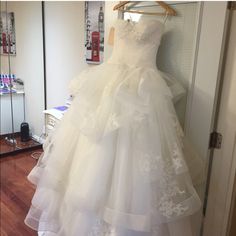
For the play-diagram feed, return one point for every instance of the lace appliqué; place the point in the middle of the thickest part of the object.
(137, 34)
(164, 172)
(148, 163)
(169, 208)
(101, 228)
(139, 31)
(169, 203)
(178, 128)
(113, 122)
(178, 161)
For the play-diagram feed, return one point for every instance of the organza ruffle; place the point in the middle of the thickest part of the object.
(115, 164)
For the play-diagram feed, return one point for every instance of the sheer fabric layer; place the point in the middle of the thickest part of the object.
(115, 164)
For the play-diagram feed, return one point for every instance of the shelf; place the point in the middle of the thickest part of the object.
(18, 92)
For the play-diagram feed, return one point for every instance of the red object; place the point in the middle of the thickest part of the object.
(95, 45)
(4, 42)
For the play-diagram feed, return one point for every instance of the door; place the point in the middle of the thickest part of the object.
(219, 212)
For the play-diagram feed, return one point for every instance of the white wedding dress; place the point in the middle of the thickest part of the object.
(115, 165)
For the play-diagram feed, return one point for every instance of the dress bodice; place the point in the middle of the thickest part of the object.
(136, 43)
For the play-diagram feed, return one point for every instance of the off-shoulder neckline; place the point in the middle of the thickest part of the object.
(141, 21)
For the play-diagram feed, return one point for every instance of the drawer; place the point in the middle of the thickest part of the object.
(51, 120)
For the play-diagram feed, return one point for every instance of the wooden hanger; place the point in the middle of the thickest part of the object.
(168, 10)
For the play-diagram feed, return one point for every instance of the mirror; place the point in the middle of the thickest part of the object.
(22, 75)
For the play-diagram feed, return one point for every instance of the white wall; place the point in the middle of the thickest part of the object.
(177, 49)
(176, 52)
(110, 17)
(64, 27)
(28, 62)
(65, 46)
(65, 50)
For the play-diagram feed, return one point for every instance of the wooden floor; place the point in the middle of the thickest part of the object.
(5, 147)
(16, 194)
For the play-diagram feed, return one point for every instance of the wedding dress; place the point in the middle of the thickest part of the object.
(115, 164)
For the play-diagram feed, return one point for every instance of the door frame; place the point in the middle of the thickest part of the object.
(202, 98)
(222, 188)
(203, 94)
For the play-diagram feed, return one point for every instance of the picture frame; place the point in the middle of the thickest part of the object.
(94, 31)
(7, 33)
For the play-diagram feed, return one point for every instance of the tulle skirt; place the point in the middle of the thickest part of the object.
(115, 164)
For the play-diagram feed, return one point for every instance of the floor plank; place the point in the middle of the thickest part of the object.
(5, 147)
(15, 194)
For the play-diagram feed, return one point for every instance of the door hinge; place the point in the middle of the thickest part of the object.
(232, 5)
(215, 140)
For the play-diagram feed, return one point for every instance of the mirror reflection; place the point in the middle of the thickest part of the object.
(22, 81)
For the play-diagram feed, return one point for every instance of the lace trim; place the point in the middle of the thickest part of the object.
(169, 208)
(101, 228)
(148, 163)
(178, 127)
(139, 31)
(171, 191)
(164, 172)
(178, 158)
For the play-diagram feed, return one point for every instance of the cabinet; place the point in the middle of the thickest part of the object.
(51, 121)
(52, 118)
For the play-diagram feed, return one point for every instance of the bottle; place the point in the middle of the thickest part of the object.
(24, 132)
(14, 77)
(1, 81)
(5, 81)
